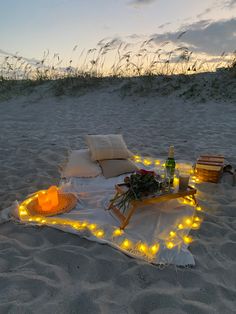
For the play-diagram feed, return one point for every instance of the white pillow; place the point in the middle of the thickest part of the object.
(81, 165)
(116, 167)
(111, 146)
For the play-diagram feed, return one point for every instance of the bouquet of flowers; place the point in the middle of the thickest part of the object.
(140, 184)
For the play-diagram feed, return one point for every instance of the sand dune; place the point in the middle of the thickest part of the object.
(48, 271)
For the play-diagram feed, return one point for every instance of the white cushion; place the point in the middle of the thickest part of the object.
(111, 146)
(81, 165)
(116, 167)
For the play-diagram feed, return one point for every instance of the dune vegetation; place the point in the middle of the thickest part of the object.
(134, 69)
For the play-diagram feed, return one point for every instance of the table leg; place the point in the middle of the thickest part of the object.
(194, 198)
(112, 202)
(127, 218)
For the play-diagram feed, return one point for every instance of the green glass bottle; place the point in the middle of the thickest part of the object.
(170, 164)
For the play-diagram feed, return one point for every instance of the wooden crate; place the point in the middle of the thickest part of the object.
(209, 168)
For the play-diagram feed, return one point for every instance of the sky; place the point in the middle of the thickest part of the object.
(29, 27)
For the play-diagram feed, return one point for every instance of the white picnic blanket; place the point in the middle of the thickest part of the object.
(149, 227)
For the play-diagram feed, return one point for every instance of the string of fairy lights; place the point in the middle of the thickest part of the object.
(176, 238)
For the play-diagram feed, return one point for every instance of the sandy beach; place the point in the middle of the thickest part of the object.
(43, 270)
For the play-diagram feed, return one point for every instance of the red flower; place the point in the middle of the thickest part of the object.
(144, 172)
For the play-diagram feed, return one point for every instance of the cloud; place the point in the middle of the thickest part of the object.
(4, 52)
(205, 12)
(164, 25)
(134, 36)
(106, 27)
(218, 5)
(204, 36)
(9, 54)
(141, 2)
(230, 3)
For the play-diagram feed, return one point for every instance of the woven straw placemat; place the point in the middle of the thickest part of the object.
(67, 201)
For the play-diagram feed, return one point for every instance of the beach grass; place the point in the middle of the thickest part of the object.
(115, 58)
(139, 68)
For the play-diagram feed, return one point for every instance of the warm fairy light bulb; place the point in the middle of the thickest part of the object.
(196, 225)
(180, 226)
(126, 244)
(92, 226)
(188, 221)
(197, 219)
(142, 248)
(155, 248)
(26, 202)
(187, 239)
(84, 224)
(118, 232)
(100, 233)
(147, 162)
(137, 158)
(157, 162)
(169, 245)
(198, 208)
(172, 234)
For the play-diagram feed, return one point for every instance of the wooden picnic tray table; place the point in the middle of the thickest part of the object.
(134, 204)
